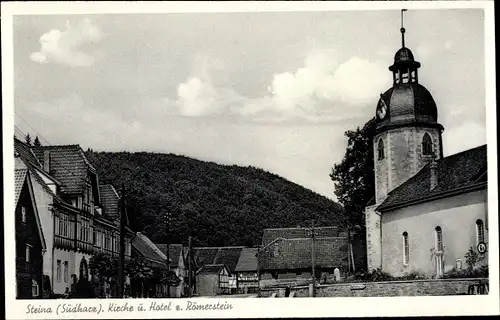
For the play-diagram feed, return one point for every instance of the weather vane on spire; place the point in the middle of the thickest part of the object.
(402, 27)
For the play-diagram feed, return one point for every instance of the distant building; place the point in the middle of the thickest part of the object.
(429, 210)
(177, 265)
(246, 272)
(213, 280)
(154, 258)
(227, 256)
(30, 240)
(287, 254)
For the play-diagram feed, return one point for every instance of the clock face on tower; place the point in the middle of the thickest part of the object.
(382, 111)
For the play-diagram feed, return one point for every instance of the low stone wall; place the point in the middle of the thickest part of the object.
(431, 287)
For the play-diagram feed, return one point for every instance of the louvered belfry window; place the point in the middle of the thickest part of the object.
(427, 145)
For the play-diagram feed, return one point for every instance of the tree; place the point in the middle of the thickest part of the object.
(354, 178)
(28, 139)
(164, 276)
(37, 142)
(138, 270)
(103, 266)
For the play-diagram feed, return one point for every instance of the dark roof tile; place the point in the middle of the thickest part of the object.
(146, 248)
(68, 164)
(270, 235)
(247, 260)
(19, 179)
(290, 254)
(461, 170)
(228, 256)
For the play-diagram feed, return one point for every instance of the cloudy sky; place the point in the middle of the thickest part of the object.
(269, 89)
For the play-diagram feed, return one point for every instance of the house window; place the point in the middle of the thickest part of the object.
(66, 272)
(439, 239)
(23, 214)
(427, 149)
(35, 290)
(61, 225)
(406, 249)
(480, 231)
(28, 251)
(58, 275)
(380, 149)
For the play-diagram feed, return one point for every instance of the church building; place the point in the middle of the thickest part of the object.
(429, 210)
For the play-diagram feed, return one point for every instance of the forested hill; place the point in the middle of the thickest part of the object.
(218, 205)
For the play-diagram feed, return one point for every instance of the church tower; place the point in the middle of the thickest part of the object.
(408, 135)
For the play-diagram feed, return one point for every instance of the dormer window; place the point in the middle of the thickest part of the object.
(427, 148)
(380, 149)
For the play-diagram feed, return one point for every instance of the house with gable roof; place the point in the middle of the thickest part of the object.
(30, 239)
(68, 199)
(227, 256)
(177, 265)
(144, 248)
(287, 254)
(247, 277)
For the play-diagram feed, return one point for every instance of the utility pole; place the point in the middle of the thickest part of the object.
(121, 261)
(168, 254)
(258, 270)
(312, 259)
(190, 253)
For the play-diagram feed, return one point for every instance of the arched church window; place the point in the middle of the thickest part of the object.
(427, 149)
(406, 249)
(439, 239)
(480, 230)
(380, 149)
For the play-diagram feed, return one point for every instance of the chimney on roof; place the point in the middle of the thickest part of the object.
(46, 160)
(433, 167)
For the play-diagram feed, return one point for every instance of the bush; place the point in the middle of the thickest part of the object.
(475, 272)
(379, 275)
(373, 275)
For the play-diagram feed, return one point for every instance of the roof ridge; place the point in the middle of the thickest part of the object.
(228, 247)
(302, 228)
(463, 151)
(58, 146)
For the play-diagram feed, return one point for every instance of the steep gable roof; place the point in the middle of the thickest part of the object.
(23, 182)
(228, 256)
(290, 254)
(26, 153)
(247, 260)
(175, 252)
(212, 269)
(110, 201)
(149, 250)
(19, 180)
(68, 164)
(456, 173)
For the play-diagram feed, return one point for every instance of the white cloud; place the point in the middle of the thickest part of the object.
(322, 90)
(65, 47)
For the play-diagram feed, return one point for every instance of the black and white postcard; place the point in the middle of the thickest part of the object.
(253, 159)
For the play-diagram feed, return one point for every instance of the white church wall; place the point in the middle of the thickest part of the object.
(373, 238)
(455, 215)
